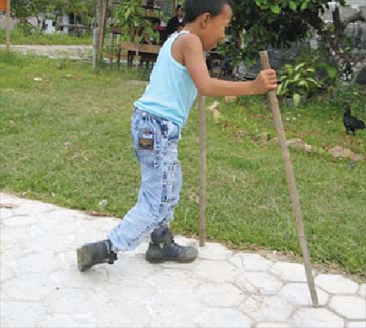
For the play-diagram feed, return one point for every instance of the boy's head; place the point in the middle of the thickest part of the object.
(211, 17)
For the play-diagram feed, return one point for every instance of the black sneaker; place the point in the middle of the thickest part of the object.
(163, 248)
(95, 253)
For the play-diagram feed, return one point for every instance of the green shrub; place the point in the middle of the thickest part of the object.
(296, 81)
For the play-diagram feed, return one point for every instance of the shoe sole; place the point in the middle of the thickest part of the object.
(84, 258)
(162, 260)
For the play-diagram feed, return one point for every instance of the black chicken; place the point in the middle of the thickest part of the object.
(352, 123)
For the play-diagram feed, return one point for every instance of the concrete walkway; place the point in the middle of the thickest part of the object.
(73, 52)
(41, 287)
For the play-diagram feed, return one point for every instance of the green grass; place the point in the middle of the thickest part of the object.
(17, 37)
(66, 140)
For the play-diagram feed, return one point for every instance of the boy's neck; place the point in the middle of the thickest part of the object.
(193, 28)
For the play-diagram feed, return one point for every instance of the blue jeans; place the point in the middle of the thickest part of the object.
(155, 142)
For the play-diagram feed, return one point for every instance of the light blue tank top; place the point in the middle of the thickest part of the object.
(171, 91)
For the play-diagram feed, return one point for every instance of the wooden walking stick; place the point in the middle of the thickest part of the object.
(273, 102)
(202, 196)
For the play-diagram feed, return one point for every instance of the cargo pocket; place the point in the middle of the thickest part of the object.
(147, 147)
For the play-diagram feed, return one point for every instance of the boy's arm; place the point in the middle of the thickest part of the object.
(191, 50)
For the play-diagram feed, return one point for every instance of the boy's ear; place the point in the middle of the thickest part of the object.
(205, 19)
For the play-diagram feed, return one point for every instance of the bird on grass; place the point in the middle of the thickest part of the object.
(351, 123)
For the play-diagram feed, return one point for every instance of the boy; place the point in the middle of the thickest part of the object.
(159, 116)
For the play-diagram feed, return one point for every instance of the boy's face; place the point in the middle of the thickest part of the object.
(215, 27)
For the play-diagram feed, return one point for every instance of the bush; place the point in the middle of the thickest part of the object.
(296, 81)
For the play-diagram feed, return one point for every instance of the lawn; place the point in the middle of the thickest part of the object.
(65, 139)
(17, 37)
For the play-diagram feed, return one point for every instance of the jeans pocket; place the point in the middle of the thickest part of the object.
(147, 145)
(173, 131)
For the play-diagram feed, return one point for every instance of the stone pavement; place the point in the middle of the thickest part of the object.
(41, 286)
(73, 52)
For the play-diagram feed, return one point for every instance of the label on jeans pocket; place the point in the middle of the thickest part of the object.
(146, 143)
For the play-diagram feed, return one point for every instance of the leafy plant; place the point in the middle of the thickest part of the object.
(296, 81)
(319, 59)
(129, 16)
(260, 23)
(331, 72)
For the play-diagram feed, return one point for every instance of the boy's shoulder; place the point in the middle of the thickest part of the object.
(187, 40)
(188, 37)
(187, 44)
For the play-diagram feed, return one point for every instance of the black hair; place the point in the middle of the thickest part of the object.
(178, 7)
(195, 8)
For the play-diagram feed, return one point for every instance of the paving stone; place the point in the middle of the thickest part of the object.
(67, 259)
(10, 199)
(67, 321)
(250, 262)
(289, 271)
(362, 290)
(174, 308)
(32, 208)
(104, 224)
(219, 271)
(38, 263)
(128, 315)
(39, 278)
(6, 213)
(299, 294)
(359, 324)
(266, 309)
(258, 282)
(351, 307)
(20, 221)
(214, 251)
(6, 272)
(272, 325)
(171, 323)
(27, 287)
(59, 215)
(180, 266)
(14, 237)
(220, 295)
(71, 301)
(138, 251)
(336, 284)
(135, 266)
(21, 314)
(174, 280)
(72, 278)
(11, 255)
(60, 228)
(3, 297)
(127, 290)
(317, 318)
(53, 243)
(223, 318)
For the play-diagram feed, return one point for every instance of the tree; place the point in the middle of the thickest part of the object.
(260, 23)
(53, 8)
(85, 8)
(129, 15)
(338, 46)
(31, 8)
(276, 23)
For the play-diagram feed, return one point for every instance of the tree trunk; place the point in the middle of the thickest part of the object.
(343, 60)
